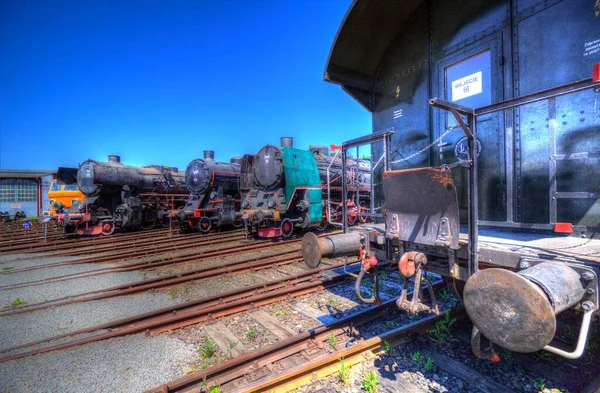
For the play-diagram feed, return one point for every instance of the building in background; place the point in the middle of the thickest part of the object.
(26, 191)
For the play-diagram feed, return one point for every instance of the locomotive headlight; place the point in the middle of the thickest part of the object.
(80, 206)
(245, 204)
(271, 203)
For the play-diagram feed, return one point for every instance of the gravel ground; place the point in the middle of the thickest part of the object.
(59, 289)
(32, 326)
(43, 274)
(9, 262)
(123, 364)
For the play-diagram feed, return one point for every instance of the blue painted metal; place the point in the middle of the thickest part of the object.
(302, 176)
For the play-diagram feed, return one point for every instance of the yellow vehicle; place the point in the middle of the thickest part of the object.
(63, 196)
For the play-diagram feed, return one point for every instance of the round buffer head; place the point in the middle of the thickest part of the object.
(509, 310)
(311, 252)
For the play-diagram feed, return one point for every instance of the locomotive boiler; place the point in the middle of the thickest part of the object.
(285, 188)
(507, 147)
(214, 196)
(122, 196)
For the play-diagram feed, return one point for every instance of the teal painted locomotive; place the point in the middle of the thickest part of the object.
(284, 188)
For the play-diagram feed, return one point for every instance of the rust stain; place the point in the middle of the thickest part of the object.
(443, 178)
(434, 174)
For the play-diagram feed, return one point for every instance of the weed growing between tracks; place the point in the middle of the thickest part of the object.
(16, 303)
(208, 348)
(332, 341)
(342, 373)
(371, 382)
(441, 332)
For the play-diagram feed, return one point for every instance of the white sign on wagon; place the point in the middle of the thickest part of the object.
(467, 86)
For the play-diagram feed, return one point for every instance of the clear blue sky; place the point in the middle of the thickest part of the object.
(157, 82)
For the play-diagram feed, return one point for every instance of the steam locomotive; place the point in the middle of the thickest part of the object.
(284, 188)
(214, 196)
(121, 196)
(521, 161)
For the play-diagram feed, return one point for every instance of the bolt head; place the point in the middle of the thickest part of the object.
(524, 265)
(590, 291)
(587, 306)
(587, 276)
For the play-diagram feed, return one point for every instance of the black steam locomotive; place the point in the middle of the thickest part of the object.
(121, 196)
(284, 188)
(214, 196)
(509, 144)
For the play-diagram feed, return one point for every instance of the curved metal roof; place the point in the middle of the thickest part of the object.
(362, 40)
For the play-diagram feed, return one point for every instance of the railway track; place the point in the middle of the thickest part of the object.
(200, 310)
(78, 245)
(133, 250)
(312, 346)
(252, 263)
(293, 360)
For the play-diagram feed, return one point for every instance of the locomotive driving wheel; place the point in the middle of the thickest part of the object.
(165, 222)
(238, 223)
(204, 224)
(352, 217)
(148, 219)
(108, 228)
(363, 209)
(324, 222)
(287, 227)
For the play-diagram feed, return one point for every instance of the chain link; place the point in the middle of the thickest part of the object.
(448, 131)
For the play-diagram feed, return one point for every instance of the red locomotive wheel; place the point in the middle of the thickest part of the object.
(352, 217)
(108, 228)
(204, 225)
(363, 209)
(287, 227)
(324, 222)
(238, 223)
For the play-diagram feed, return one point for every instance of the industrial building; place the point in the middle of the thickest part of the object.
(27, 191)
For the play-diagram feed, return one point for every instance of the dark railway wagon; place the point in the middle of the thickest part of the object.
(488, 109)
(538, 162)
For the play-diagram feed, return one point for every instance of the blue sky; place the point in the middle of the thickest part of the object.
(157, 82)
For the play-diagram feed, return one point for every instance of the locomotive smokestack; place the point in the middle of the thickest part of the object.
(320, 149)
(113, 158)
(287, 141)
(209, 154)
(236, 160)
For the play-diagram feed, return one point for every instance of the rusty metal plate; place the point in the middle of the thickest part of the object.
(509, 310)
(421, 207)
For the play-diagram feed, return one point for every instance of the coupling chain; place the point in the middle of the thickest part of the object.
(439, 139)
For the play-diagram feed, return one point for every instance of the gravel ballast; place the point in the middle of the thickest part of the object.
(123, 364)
